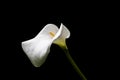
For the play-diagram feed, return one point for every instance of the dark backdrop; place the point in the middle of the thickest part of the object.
(23, 22)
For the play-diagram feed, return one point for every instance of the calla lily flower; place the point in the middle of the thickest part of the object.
(38, 48)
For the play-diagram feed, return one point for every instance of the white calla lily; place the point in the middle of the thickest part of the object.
(38, 48)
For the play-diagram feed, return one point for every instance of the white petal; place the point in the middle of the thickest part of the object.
(37, 50)
(61, 35)
(64, 32)
(47, 29)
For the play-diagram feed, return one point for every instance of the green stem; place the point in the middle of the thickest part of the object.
(73, 63)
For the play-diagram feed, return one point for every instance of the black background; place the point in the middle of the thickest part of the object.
(21, 22)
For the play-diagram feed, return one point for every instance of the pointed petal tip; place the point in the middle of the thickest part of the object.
(61, 24)
(65, 30)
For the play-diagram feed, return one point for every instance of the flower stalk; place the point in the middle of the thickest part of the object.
(76, 68)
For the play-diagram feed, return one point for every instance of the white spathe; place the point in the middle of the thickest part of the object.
(38, 48)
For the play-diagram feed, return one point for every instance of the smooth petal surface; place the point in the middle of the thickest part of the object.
(65, 33)
(61, 36)
(37, 49)
(47, 29)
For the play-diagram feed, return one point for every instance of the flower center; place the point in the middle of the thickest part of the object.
(52, 34)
